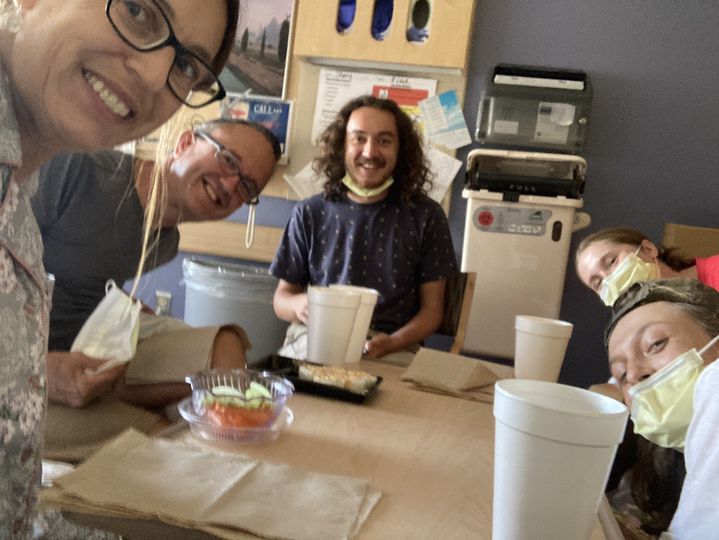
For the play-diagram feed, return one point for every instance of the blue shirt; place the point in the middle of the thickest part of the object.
(388, 246)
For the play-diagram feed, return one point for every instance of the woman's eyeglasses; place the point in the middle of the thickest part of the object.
(230, 164)
(144, 26)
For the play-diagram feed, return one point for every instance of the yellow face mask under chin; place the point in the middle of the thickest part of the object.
(662, 405)
(631, 270)
(366, 192)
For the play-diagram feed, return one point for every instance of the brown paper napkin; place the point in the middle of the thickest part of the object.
(455, 375)
(74, 434)
(225, 494)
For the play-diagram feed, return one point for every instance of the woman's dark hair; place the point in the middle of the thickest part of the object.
(228, 39)
(622, 235)
(412, 177)
(657, 480)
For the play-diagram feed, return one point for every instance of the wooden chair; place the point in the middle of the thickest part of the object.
(691, 241)
(457, 303)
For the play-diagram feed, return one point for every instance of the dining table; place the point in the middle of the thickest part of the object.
(431, 456)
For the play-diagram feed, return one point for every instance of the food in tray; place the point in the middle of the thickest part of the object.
(358, 382)
(227, 406)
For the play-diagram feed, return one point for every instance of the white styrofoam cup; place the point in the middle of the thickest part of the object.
(539, 347)
(362, 320)
(553, 450)
(332, 314)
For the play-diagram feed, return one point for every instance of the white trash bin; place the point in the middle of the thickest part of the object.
(223, 293)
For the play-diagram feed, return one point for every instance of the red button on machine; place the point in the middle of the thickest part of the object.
(485, 218)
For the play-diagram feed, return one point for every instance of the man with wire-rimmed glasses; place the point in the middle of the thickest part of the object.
(90, 209)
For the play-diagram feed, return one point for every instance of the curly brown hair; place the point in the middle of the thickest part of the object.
(412, 177)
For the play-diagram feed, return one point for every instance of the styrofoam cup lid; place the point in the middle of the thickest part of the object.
(327, 296)
(543, 326)
(369, 296)
(560, 412)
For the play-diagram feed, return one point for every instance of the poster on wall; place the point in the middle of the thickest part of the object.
(335, 88)
(274, 114)
(259, 58)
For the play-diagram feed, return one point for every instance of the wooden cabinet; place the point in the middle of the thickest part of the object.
(450, 28)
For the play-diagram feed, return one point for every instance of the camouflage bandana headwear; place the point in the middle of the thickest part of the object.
(674, 290)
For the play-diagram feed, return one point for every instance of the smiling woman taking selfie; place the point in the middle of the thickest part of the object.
(77, 75)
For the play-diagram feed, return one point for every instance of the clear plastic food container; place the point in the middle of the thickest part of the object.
(237, 405)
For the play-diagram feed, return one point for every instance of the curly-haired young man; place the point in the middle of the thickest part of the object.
(373, 226)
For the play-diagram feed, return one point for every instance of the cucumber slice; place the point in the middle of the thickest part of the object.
(227, 391)
(256, 390)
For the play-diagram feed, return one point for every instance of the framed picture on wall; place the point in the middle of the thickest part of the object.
(258, 61)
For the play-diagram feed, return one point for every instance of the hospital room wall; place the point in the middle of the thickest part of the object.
(652, 138)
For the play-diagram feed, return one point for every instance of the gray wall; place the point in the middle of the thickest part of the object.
(651, 146)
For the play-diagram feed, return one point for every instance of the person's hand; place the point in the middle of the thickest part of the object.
(290, 302)
(70, 378)
(300, 306)
(378, 346)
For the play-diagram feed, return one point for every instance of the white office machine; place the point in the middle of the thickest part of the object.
(522, 208)
(523, 190)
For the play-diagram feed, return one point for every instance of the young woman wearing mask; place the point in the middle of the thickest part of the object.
(75, 76)
(611, 260)
(662, 343)
(608, 262)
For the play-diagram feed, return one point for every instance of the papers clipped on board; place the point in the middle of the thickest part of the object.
(444, 121)
(306, 182)
(336, 88)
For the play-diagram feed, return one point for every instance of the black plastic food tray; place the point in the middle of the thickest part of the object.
(281, 365)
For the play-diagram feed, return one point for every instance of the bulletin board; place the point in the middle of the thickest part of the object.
(315, 44)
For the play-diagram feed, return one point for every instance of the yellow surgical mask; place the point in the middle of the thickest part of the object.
(631, 270)
(355, 188)
(662, 405)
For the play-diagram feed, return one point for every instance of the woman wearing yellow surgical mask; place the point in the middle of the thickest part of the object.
(611, 260)
(661, 346)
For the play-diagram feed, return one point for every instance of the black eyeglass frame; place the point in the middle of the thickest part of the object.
(173, 42)
(254, 191)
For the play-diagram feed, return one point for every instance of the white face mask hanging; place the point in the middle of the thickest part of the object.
(111, 331)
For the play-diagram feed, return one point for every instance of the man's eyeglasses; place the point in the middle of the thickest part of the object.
(145, 27)
(230, 164)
